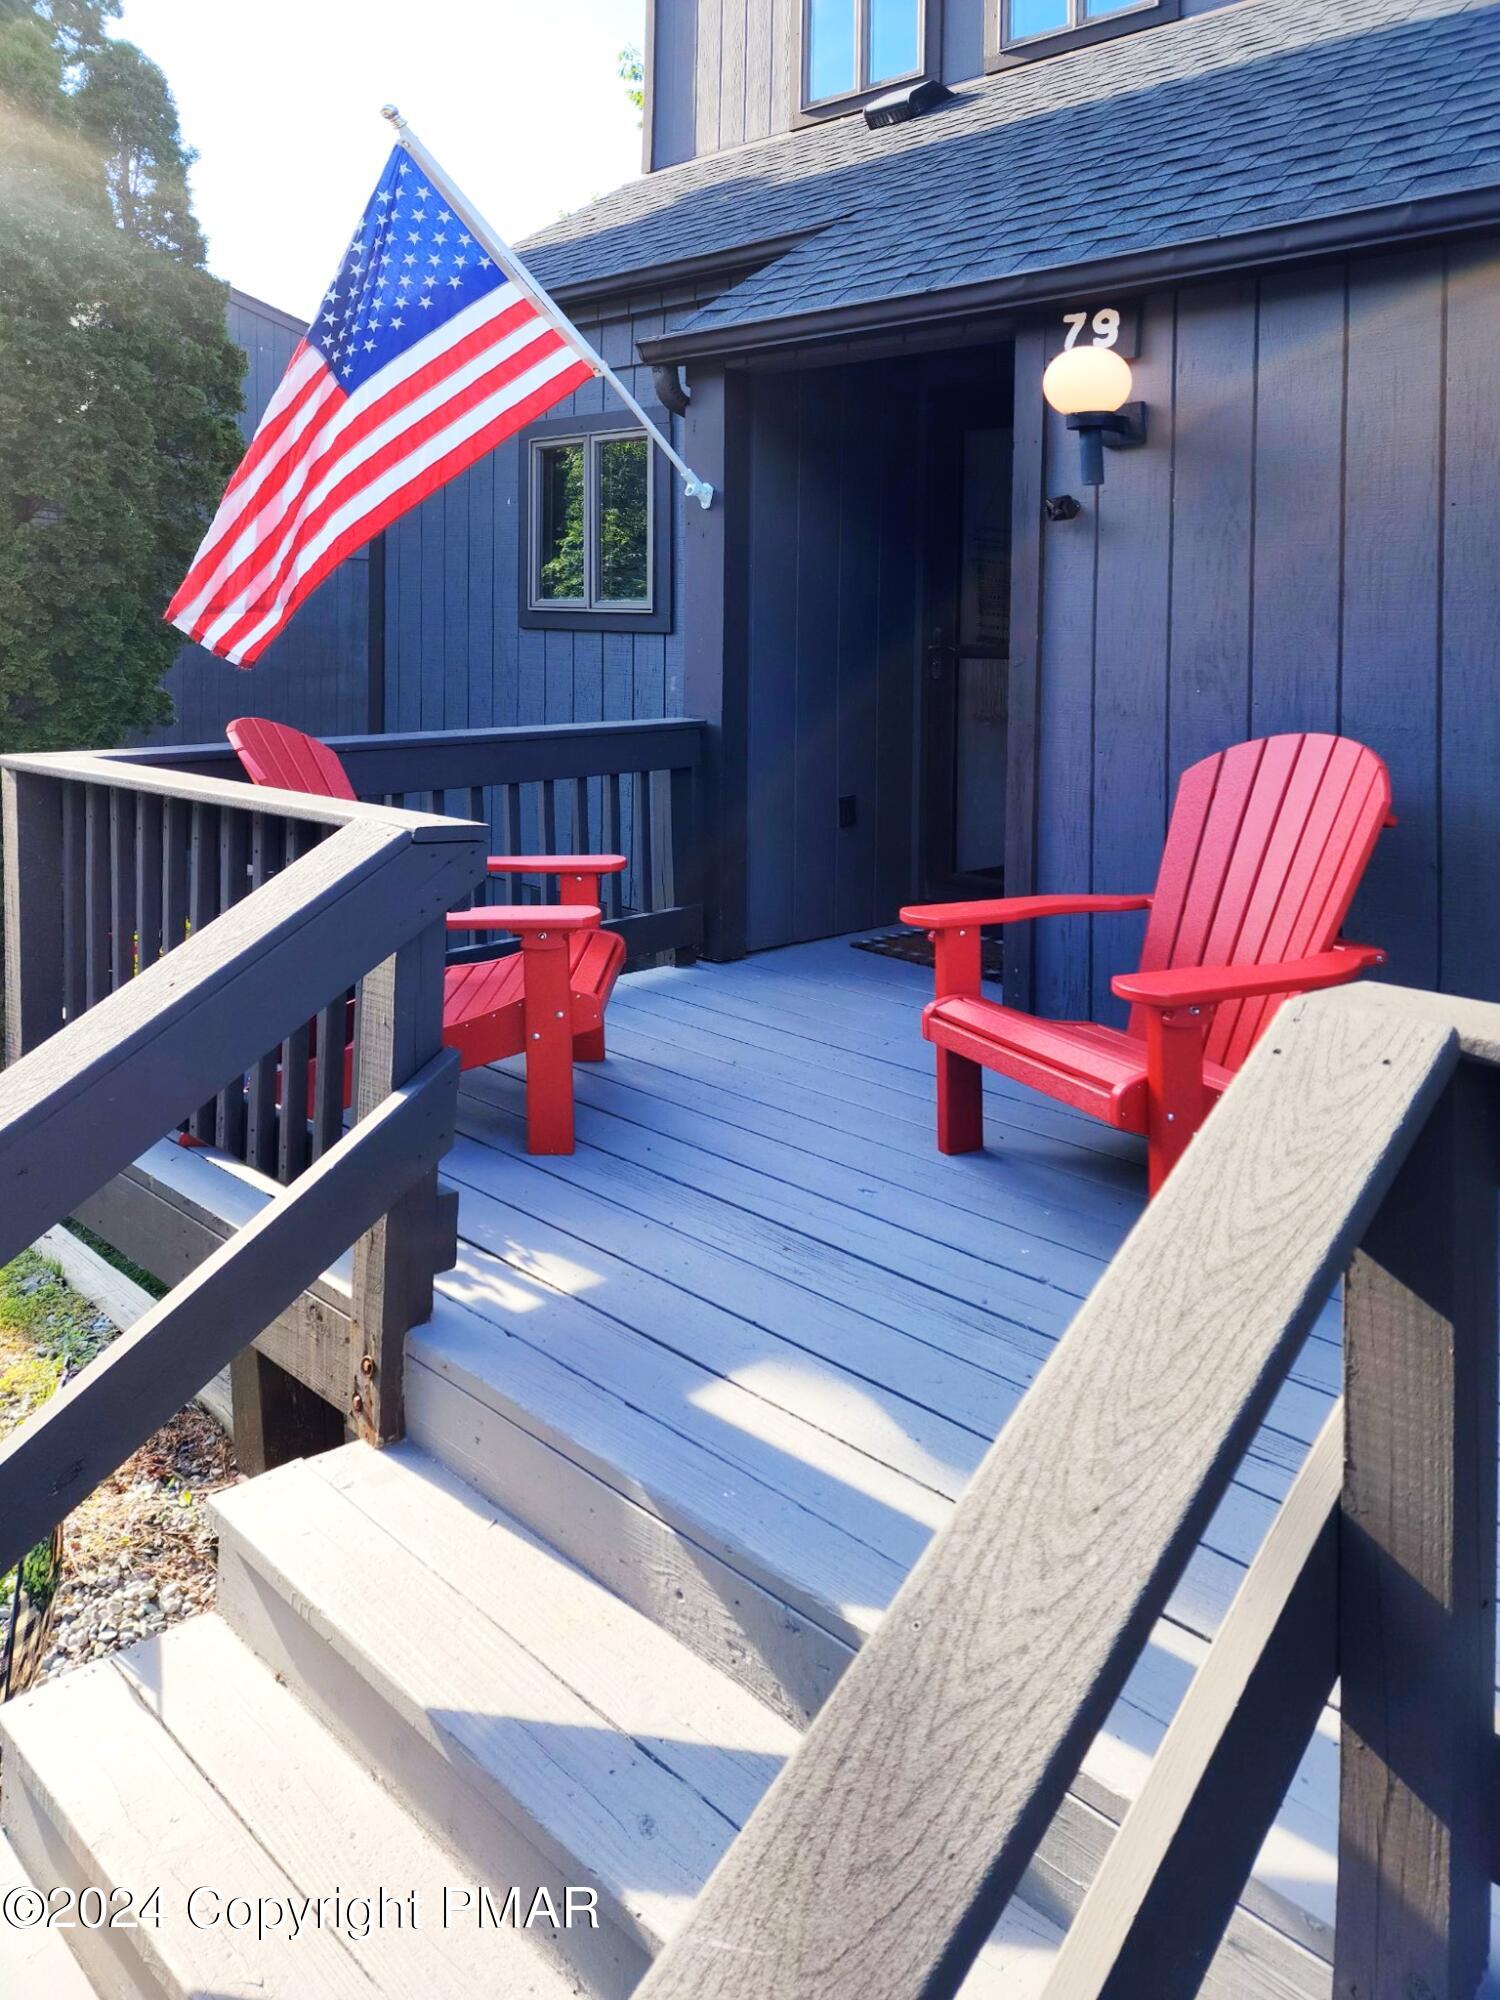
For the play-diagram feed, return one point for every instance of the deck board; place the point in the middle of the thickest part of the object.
(757, 1303)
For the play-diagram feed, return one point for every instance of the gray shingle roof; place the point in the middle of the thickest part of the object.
(1258, 114)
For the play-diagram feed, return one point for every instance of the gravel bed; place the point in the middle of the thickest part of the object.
(139, 1554)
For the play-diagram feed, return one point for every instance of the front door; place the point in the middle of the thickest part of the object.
(965, 661)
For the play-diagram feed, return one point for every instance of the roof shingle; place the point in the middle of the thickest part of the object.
(1266, 111)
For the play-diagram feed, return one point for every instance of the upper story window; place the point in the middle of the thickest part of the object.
(1029, 28)
(597, 513)
(854, 46)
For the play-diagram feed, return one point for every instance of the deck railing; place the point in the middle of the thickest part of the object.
(181, 952)
(602, 788)
(1360, 1141)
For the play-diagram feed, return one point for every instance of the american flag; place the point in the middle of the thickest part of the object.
(424, 356)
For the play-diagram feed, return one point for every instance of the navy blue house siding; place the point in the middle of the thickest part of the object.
(1307, 542)
(456, 656)
(317, 674)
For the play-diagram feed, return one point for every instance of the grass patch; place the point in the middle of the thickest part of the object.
(47, 1332)
(121, 1262)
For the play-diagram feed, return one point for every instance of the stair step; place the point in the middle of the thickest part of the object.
(34, 1961)
(183, 1766)
(538, 1724)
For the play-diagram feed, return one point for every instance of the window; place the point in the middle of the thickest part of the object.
(1040, 27)
(851, 47)
(592, 526)
(596, 526)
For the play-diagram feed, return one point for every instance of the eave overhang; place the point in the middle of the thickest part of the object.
(1357, 230)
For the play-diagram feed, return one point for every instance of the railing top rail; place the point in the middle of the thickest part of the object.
(887, 1849)
(165, 1040)
(121, 773)
(665, 729)
(435, 760)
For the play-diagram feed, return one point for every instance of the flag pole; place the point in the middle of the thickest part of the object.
(693, 487)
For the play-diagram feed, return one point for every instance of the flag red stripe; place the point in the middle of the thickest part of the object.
(368, 526)
(273, 429)
(303, 464)
(267, 576)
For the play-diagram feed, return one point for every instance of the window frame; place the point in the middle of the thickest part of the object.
(1080, 32)
(588, 614)
(813, 111)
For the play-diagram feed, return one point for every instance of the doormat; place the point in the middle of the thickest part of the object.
(916, 949)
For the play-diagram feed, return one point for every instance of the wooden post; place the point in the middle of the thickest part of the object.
(715, 667)
(1417, 1560)
(276, 1417)
(686, 856)
(399, 1028)
(33, 848)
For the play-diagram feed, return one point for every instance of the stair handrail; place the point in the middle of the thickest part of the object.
(1359, 1139)
(85, 1094)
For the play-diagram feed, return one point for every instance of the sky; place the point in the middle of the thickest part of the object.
(521, 102)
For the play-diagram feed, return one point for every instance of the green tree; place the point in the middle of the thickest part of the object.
(633, 75)
(118, 383)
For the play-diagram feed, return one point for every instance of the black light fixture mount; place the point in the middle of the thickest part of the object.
(1090, 387)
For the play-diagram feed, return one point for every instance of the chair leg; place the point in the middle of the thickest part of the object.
(960, 1106)
(1178, 1103)
(589, 1046)
(548, 1008)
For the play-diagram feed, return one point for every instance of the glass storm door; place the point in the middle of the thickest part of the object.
(966, 653)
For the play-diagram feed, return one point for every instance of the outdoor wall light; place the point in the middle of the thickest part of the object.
(1091, 386)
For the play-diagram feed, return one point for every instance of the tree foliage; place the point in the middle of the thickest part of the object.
(632, 68)
(118, 383)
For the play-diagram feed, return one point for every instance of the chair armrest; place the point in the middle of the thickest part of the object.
(556, 864)
(1206, 986)
(527, 918)
(1016, 910)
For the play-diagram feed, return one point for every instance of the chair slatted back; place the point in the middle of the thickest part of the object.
(274, 754)
(1265, 849)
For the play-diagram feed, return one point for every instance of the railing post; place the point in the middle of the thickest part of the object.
(399, 1030)
(33, 853)
(1417, 1568)
(685, 849)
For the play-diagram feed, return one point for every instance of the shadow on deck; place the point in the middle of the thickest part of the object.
(752, 1339)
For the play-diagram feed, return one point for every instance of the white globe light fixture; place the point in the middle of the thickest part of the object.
(1091, 386)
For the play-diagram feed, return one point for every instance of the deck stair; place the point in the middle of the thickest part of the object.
(527, 1727)
(687, 1410)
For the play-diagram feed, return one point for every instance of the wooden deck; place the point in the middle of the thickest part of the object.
(688, 1409)
(739, 1354)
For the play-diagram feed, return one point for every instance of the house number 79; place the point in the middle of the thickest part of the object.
(1104, 325)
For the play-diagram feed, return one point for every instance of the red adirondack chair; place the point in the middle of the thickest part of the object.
(1265, 849)
(546, 1000)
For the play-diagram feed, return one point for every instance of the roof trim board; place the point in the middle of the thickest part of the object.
(1209, 257)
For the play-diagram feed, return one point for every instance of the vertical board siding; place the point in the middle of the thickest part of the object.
(1208, 702)
(1307, 542)
(456, 656)
(1134, 588)
(1468, 708)
(1392, 534)
(317, 674)
(1299, 528)
(1065, 745)
(728, 71)
(672, 94)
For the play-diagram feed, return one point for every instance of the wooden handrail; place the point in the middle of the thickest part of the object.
(885, 1852)
(453, 759)
(226, 932)
(88, 1100)
(541, 786)
(92, 1424)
